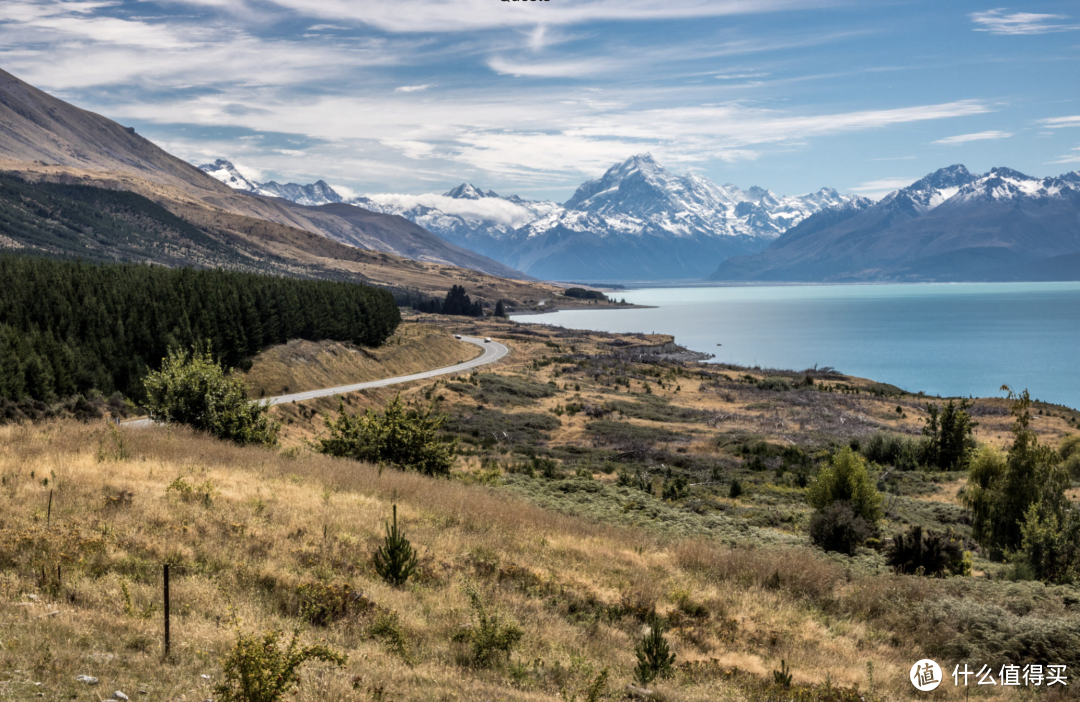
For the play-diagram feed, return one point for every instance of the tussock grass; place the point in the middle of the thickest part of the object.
(257, 525)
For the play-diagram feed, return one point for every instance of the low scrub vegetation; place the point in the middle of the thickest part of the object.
(401, 438)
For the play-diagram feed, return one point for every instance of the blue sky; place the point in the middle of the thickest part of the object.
(411, 96)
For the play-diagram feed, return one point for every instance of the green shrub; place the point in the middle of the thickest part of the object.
(846, 479)
(401, 438)
(675, 489)
(838, 528)
(504, 390)
(320, 604)
(736, 489)
(395, 561)
(1050, 541)
(1002, 489)
(1069, 450)
(774, 384)
(949, 437)
(583, 294)
(193, 389)
(489, 638)
(503, 427)
(928, 553)
(654, 656)
(259, 670)
(387, 628)
(892, 450)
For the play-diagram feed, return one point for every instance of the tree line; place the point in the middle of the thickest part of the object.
(457, 302)
(69, 327)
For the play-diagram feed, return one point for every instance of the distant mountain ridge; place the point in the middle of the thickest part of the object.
(637, 221)
(950, 225)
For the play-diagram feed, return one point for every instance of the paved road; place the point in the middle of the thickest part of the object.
(493, 351)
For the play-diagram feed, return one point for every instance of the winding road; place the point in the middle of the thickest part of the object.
(493, 351)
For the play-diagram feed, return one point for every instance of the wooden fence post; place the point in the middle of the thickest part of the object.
(166, 610)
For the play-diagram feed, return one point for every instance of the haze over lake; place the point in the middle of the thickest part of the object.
(944, 339)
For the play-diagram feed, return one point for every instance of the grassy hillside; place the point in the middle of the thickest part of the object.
(537, 520)
(304, 365)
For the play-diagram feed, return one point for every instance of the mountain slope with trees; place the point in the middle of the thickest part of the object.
(68, 327)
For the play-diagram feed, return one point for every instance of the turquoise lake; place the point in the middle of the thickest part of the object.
(944, 339)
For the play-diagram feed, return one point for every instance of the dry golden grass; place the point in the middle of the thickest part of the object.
(273, 521)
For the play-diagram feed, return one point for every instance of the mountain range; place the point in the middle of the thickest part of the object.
(637, 221)
(951, 225)
(76, 184)
(45, 138)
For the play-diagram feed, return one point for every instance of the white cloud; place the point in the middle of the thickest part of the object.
(977, 136)
(519, 66)
(1073, 156)
(249, 172)
(1055, 122)
(996, 22)
(471, 15)
(740, 76)
(413, 88)
(877, 189)
(485, 208)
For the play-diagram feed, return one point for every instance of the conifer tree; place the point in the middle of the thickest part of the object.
(653, 654)
(395, 561)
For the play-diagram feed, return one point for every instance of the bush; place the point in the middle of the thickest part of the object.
(387, 628)
(1050, 541)
(258, 670)
(928, 553)
(320, 604)
(489, 638)
(583, 294)
(948, 432)
(846, 480)
(774, 384)
(395, 561)
(399, 438)
(1069, 450)
(837, 527)
(193, 389)
(1002, 489)
(892, 450)
(654, 656)
(736, 489)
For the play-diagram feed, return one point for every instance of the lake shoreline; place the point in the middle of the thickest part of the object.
(942, 339)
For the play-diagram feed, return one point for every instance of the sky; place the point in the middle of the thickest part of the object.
(534, 97)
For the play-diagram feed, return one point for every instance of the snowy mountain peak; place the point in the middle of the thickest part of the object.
(467, 191)
(317, 193)
(226, 172)
(312, 195)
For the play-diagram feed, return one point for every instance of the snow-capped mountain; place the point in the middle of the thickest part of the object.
(637, 221)
(466, 215)
(318, 193)
(950, 225)
(226, 172)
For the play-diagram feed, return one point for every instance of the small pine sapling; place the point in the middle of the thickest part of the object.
(782, 677)
(654, 655)
(395, 561)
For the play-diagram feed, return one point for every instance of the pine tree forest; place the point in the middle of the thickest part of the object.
(70, 327)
